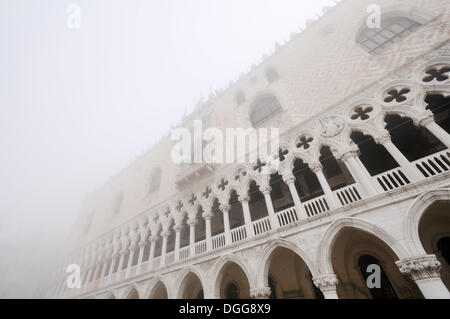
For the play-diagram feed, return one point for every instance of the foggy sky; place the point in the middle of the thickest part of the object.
(78, 105)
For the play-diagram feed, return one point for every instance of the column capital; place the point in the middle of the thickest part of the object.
(424, 119)
(266, 190)
(326, 282)
(289, 179)
(225, 208)
(123, 252)
(165, 233)
(422, 267)
(349, 154)
(192, 222)
(208, 215)
(316, 167)
(382, 138)
(142, 243)
(153, 238)
(178, 227)
(244, 198)
(260, 293)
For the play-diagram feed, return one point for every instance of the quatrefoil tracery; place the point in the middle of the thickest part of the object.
(437, 74)
(281, 155)
(362, 113)
(222, 184)
(305, 142)
(397, 95)
(207, 192)
(259, 166)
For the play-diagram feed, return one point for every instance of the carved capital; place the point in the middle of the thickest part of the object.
(123, 252)
(426, 118)
(417, 268)
(153, 238)
(266, 190)
(142, 243)
(225, 208)
(382, 139)
(289, 179)
(244, 198)
(192, 222)
(208, 215)
(326, 283)
(260, 293)
(178, 227)
(316, 167)
(349, 154)
(165, 233)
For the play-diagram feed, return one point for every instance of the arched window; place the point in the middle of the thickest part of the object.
(155, 180)
(403, 131)
(118, 203)
(440, 106)
(271, 74)
(239, 97)
(385, 290)
(375, 40)
(375, 158)
(263, 109)
(335, 171)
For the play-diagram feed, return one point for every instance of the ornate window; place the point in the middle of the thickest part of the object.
(271, 74)
(264, 109)
(239, 97)
(375, 40)
(155, 180)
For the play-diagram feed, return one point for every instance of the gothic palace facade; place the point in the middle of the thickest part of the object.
(364, 118)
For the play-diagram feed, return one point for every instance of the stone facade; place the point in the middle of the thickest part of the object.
(140, 238)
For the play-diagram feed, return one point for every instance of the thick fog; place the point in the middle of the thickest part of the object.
(78, 104)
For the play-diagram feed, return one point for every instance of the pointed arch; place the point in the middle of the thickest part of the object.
(154, 284)
(132, 292)
(216, 273)
(181, 277)
(333, 231)
(265, 257)
(415, 213)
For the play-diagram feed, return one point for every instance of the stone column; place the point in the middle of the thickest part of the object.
(327, 284)
(121, 260)
(331, 199)
(424, 271)
(247, 217)
(272, 217)
(142, 245)
(411, 172)
(260, 293)
(153, 240)
(113, 264)
(290, 182)
(225, 209)
(360, 174)
(105, 268)
(165, 236)
(132, 250)
(177, 229)
(208, 216)
(429, 123)
(97, 270)
(192, 222)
